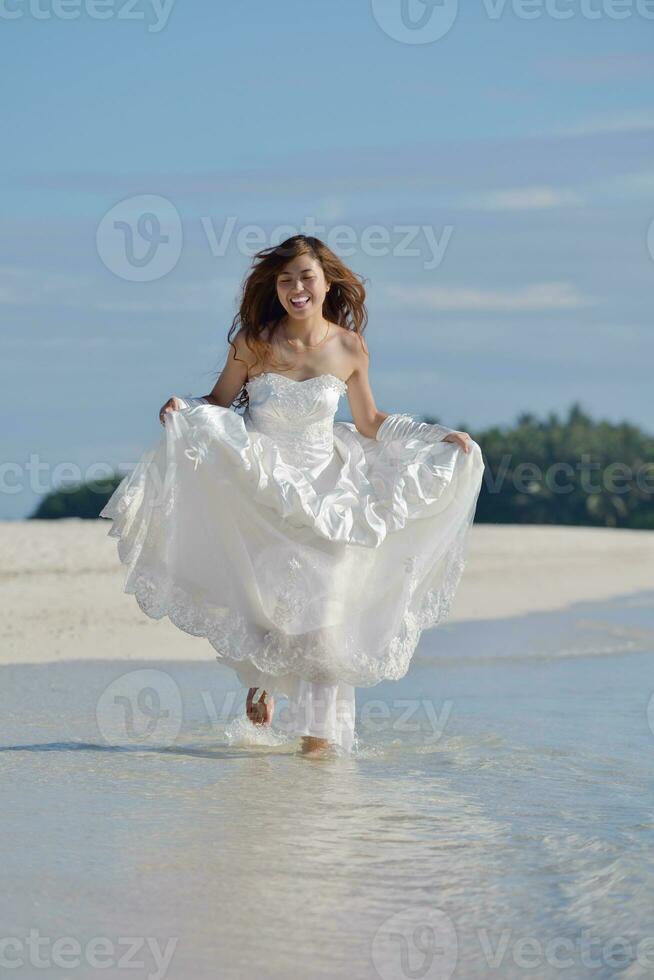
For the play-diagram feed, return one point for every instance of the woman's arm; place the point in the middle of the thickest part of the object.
(234, 374)
(383, 426)
(365, 414)
(231, 380)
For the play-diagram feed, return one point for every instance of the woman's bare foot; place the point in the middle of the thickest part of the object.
(314, 746)
(259, 711)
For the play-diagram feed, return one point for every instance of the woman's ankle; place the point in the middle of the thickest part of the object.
(314, 746)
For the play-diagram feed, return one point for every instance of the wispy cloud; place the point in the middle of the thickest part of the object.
(525, 199)
(338, 177)
(625, 187)
(634, 121)
(23, 286)
(534, 297)
(614, 66)
(26, 287)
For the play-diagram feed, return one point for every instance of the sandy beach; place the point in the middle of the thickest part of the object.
(62, 597)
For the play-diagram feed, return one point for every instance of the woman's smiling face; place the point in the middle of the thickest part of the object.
(301, 287)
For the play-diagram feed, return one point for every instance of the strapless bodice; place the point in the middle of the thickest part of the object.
(298, 415)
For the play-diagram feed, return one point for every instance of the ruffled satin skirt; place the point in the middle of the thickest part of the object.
(324, 574)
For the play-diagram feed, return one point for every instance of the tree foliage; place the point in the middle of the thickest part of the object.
(567, 471)
(77, 499)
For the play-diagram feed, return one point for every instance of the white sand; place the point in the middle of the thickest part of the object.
(63, 598)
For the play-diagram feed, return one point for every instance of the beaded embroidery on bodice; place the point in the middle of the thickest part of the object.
(298, 415)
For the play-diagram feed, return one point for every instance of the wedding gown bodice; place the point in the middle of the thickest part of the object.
(298, 415)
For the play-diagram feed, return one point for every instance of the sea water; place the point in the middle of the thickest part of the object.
(495, 820)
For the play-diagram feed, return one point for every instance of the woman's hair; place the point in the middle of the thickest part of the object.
(260, 307)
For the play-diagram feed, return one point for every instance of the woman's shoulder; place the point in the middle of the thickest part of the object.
(353, 342)
(243, 351)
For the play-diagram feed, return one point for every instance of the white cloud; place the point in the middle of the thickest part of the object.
(332, 208)
(630, 185)
(637, 120)
(28, 287)
(22, 286)
(525, 199)
(611, 66)
(537, 296)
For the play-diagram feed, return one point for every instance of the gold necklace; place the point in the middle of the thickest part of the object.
(309, 346)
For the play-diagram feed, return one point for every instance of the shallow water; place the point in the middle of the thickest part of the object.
(496, 818)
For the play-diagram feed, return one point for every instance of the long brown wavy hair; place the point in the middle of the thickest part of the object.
(260, 307)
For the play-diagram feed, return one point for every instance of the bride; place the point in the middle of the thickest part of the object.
(310, 553)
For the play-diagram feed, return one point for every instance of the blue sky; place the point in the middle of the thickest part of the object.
(493, 183)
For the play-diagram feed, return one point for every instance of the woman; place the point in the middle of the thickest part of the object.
(310, 553)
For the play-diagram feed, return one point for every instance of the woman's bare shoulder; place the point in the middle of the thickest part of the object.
(353, 354)
(242, 352)
(353, 343)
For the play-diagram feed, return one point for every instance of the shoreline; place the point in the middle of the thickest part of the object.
(63, 597)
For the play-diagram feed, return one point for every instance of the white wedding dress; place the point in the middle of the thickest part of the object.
(310, 556)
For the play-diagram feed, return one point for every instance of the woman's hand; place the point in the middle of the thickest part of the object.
(463, 439)
(172, 405)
